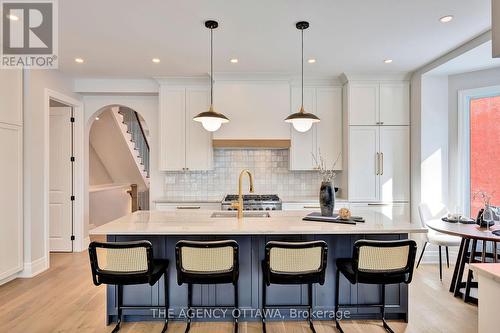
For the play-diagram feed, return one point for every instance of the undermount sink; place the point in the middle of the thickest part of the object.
(235, 214)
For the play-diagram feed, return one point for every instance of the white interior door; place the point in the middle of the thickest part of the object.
(363, 163)
(60, 181)
(394, 163)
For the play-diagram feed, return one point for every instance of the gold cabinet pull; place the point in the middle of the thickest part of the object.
(382, 163)
(377, 163)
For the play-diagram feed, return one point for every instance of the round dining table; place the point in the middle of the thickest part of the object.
(472, 235)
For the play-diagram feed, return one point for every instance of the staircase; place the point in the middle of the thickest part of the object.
(134, 134)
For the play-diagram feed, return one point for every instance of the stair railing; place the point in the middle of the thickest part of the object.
(134, 127)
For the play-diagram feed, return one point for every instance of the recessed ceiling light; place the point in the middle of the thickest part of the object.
(311, 61)
(96, 118)
(156, 60)
(13, 17)
(446, 19)
(234, 60)
(388, 61)
(79, 60)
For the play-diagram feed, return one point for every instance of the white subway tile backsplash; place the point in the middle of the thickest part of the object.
(268, 166)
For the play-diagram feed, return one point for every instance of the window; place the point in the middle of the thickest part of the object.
(484, 150)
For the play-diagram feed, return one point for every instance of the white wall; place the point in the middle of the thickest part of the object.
(98, 174)
(147, 106)
(107, 203)
(473, 80)
(36, 141)
(434, 139)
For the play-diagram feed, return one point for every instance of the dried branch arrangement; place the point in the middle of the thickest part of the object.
(483, 196)
(327, 174)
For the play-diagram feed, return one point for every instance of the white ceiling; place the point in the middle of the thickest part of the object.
(476, 59)
(118, 38)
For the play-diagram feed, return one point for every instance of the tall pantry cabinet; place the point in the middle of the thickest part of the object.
(378, 141)
(11, 173)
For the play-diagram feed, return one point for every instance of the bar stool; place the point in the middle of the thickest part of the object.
(128, 263)
(293, 263)
(214, 262)
(376, 262)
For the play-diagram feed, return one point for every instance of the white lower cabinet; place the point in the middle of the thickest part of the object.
(11, 200)
(390, 210)
(166, 206)
(310, 205)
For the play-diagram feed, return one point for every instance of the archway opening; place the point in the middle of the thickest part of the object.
(119, 171)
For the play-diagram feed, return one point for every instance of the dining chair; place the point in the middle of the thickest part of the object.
(428, 211)
(208, 262)
(293, 263)
(128, 263)
(376, 262)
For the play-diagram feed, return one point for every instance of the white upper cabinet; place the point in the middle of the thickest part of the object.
(329, 130)
(303, 145)
(363, 103)
(378, 103)
(11, 97)
(184, 144)
(394, 104)
(198, 141)
(325, 136)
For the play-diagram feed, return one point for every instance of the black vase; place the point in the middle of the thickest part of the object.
(327, 199)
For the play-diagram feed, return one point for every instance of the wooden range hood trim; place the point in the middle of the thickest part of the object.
(252, 143)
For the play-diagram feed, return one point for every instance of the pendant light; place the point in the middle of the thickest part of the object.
(211, 120)
(302, 121)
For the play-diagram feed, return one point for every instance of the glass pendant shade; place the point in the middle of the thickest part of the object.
(302, 121)
(211, 120)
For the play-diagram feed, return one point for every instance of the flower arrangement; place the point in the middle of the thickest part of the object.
(327, 174)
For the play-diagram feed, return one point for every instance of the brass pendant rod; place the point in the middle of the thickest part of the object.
(302, 63)
(211, 67)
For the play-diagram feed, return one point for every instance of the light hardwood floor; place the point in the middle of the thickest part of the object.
(63, 299)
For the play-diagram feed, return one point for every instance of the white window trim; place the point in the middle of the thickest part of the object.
(463, 159)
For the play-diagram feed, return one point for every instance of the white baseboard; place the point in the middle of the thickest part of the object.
(8, 278)
(34, 268)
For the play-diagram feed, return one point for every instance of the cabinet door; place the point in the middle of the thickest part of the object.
(11, 200)
(394, 104)
(329, 129)
(395, 163)
(198, 140)
(11, 96)
(172, 129)
(303, 145)
(363, 163)
(363, 103)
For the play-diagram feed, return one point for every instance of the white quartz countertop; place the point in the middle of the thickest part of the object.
(490, 270)
(200, 222)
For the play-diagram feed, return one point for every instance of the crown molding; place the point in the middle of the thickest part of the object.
(346, 77)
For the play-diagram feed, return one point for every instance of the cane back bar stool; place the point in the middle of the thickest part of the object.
(293, 263)
(376, 262)
(213, 262)
(128, 263)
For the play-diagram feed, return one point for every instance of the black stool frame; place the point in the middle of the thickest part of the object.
(271, 277)
(230, 276)
(349, 268)
(156, 268)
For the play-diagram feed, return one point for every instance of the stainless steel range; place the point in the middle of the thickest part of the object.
(253, 202)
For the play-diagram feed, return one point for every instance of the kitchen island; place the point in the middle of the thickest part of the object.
(164, 228)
